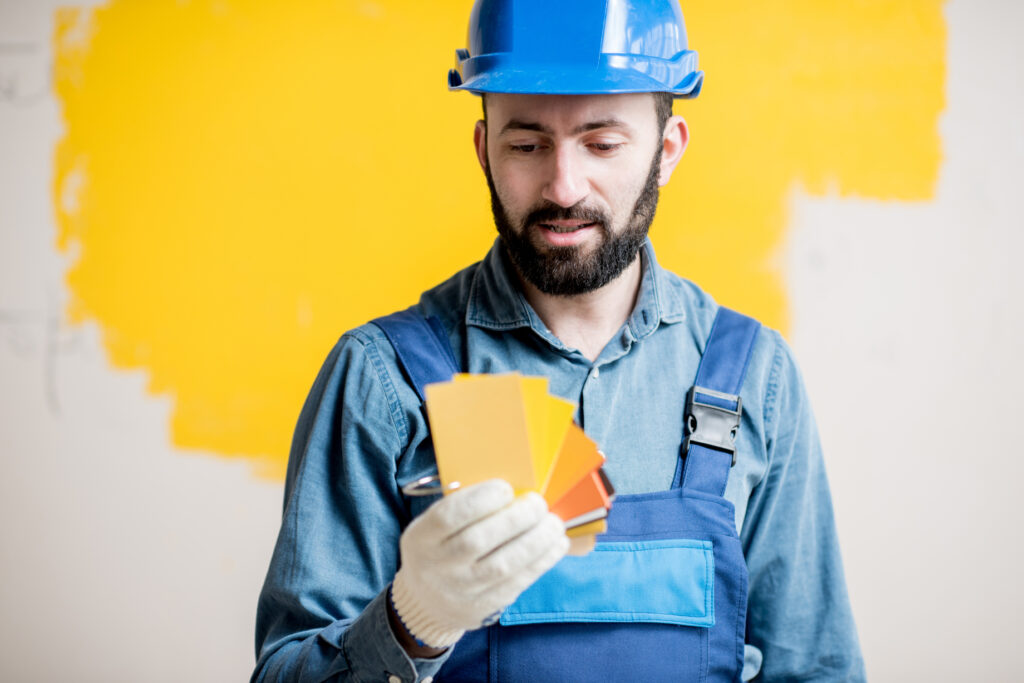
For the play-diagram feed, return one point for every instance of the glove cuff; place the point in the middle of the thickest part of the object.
(417, 619)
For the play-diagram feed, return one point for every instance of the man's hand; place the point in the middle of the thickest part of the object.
(469, 556)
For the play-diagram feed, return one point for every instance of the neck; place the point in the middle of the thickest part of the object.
(588, 321)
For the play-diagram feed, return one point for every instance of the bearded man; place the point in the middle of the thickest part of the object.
(720, 561)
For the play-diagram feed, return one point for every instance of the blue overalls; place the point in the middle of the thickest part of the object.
(663, 596)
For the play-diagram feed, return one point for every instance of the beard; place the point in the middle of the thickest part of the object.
(567, 271)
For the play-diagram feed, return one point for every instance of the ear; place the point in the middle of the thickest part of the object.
(674, 139)
(480, 141)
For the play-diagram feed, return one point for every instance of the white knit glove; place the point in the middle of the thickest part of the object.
(470, 555)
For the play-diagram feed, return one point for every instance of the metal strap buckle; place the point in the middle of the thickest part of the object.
(710, 425)
(429, 486)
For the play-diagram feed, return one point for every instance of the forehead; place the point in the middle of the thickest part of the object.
(562, 113)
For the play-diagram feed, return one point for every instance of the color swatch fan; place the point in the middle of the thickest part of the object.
(509, 427)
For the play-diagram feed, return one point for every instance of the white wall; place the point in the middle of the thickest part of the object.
(124, 560)
(908, 322)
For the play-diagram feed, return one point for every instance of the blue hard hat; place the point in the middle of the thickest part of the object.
(577, 47)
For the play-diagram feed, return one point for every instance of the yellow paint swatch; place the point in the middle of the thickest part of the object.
(480, 431)
(549, 418)
(591, 528)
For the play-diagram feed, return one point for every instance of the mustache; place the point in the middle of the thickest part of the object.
(553, 212)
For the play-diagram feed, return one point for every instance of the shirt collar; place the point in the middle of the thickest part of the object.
(496, 300)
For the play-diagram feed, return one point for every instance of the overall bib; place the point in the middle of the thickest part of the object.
(663, 596)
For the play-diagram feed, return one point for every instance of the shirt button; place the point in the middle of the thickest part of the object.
(394, 679)
(596, 373)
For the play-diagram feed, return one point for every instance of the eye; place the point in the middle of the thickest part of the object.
(605, 146)
(524, 148)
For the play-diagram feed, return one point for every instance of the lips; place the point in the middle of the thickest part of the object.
(562, 227)
(565, 233)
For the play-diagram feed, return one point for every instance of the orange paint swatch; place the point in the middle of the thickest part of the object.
(577, 457)
(587, 496)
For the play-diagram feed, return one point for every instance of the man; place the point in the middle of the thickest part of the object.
(368, 583)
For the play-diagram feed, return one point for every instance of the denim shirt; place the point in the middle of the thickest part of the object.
(362, 434)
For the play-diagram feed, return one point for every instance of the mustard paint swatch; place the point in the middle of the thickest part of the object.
(481, 430)
(240, 182)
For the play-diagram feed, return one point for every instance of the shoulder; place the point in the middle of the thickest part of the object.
(363, 350)
(368, 346)
(361, 361)
(687, 301)
(359, 383)
(364, 359)
(449, 300)
(366, 349)
(771, 369)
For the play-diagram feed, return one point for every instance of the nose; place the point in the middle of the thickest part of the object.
(567, 184)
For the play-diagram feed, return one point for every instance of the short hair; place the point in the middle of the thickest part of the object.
(662, 107)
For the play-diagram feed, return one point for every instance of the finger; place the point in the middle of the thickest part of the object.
(519, 554)
(463, 507)
(581, 545)
(509, 590)
(489, 533)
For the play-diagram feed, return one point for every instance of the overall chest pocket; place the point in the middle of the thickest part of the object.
(638, 609)
(658, 581)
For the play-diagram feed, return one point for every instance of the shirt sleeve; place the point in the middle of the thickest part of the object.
(322, 613)
(798, 613)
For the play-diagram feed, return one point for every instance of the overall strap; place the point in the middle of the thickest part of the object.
(422, 347)
(713, 405)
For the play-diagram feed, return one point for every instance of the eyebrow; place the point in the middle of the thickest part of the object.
(518, 124)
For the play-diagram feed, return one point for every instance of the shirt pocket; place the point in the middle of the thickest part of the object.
(667, 581)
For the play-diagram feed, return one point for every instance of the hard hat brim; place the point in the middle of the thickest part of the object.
(614, 75)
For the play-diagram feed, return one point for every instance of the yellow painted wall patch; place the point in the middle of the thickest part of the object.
(241, 181)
